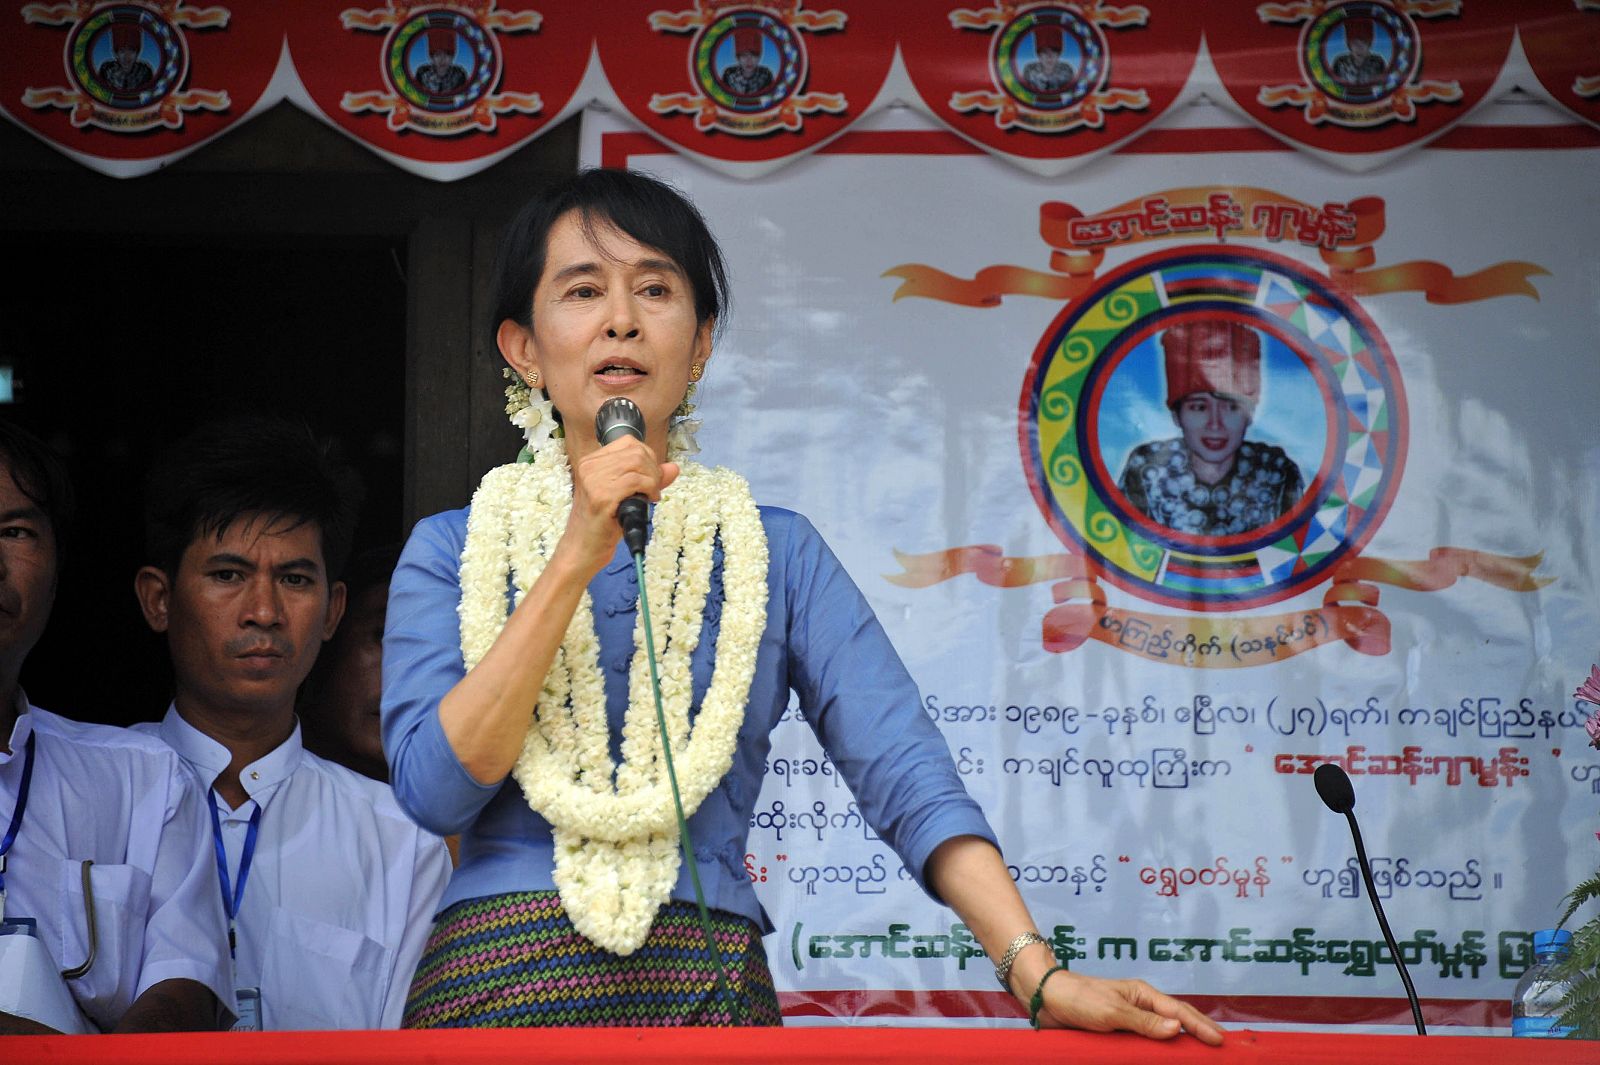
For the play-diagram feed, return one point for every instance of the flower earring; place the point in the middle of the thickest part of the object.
(681, 430)
(529, 410)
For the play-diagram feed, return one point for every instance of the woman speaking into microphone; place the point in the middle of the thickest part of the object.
(519, 708)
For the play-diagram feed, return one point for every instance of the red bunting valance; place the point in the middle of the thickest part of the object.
(445, 89)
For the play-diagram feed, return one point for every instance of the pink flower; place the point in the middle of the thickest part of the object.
(1589, 690)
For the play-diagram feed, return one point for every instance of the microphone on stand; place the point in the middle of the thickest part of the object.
(1338, 795)
(618, 417)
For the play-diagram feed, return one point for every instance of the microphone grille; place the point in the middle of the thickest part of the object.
(617, 417)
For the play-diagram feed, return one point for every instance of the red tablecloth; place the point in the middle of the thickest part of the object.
(799, 1046)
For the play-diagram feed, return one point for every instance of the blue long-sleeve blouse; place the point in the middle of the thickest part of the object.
(821, 640)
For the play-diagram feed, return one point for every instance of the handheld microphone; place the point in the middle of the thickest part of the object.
(618, 417)
(1337, 794)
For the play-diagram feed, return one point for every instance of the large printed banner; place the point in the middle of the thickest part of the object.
(447, 87)
(1170, 485)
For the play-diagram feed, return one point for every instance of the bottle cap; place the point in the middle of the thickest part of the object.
(1551, 939)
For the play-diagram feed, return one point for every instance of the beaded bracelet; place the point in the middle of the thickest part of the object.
(1037, 1001)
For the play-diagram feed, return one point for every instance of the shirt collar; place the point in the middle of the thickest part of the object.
(22, 729)
(209, 758)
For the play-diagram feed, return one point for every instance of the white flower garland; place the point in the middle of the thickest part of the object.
(616, 835)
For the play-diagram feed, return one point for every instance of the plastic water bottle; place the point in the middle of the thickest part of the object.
(1536, 1002)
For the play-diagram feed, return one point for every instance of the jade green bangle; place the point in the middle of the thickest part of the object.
(1037, 1002)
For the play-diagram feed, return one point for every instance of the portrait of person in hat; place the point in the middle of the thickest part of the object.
(1049, 72)
(440, 76)
(125, 71)
(748, 76)
(1359, 65)
(1210, 480)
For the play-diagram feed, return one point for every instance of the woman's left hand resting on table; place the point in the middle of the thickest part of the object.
(1095, 1004)
(969, 875)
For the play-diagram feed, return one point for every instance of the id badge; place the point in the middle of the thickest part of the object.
(249, 1010)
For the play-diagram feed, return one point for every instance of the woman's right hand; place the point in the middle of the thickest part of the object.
(485, 716)
(601, 480)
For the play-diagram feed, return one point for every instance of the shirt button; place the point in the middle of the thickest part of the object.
(254, 775)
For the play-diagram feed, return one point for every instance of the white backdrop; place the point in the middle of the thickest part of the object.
(1128, 793)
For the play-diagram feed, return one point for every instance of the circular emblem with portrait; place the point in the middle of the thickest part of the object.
(748, 61)
(126, 57)
(1049, 58)
(1215, 428)
(1360, 52)
(441, 61)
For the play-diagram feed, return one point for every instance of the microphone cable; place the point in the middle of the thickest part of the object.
(616, 417)
(723, 986)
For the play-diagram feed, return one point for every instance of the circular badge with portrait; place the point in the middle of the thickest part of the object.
(748, 61)
(126, 57)
(441, 61)
(1049, 58)
(1214, 427)
(1361, 52)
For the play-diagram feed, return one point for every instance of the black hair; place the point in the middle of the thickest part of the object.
(246, 467)
(370, 568)
(41, 475)
(650, 211)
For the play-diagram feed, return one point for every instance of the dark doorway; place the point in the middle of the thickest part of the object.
(119, 345)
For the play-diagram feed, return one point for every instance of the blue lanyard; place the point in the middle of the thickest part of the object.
(231, 899)
(16, 815)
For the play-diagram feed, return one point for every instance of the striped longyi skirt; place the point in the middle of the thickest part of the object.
(515, 961)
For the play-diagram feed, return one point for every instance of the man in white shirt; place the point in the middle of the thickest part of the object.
(330, 886)
(91, 812)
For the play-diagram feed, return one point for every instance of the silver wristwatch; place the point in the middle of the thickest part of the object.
(1002, 969)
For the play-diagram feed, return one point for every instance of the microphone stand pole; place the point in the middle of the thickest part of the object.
(1383, 923)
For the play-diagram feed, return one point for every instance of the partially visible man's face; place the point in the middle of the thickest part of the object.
(747, 61)
(1359, 49)
(350, 695)
(1213, 424)
(1049, 57)
(441, 61)
(125, 57)
(27, 570)
(247, 612)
